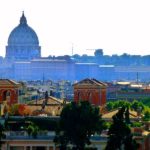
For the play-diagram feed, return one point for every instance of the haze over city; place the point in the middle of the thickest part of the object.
(115, 26)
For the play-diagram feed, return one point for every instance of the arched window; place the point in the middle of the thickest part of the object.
(79, 96)
(6, 95)
(90, 97)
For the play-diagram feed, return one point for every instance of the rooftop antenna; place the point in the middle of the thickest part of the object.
(137, 77)
(92, 49)
(72, 49)
(43, 78)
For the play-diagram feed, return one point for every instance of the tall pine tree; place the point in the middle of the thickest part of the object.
(119, 134)
(78, 121)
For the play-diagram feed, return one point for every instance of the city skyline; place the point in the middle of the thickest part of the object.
(116, 27)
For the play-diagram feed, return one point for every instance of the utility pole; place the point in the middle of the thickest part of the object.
(137, 77)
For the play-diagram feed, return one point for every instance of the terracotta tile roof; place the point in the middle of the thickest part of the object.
(51, 100)
(110, 114)
(49, 110)
(53, 107)
(91, 81)
(7, 82)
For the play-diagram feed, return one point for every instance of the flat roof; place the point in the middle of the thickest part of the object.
(85, 63)
(48, 60)
(106, 66)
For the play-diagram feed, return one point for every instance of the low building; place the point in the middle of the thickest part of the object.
(17, 138)
(127, 91)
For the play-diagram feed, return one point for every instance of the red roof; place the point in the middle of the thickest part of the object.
(7, 82)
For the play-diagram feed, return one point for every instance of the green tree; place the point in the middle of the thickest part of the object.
(32, 129)
(121, 103)
(137, 106)
(146, 101)
(119, 134)
(78, 121)
(13, 111)
(110, 106)
(115, 105)
(146, 116)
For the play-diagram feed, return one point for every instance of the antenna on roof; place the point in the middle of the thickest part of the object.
(72, 49)
(91, 49)
(43, 78)
(137, 77)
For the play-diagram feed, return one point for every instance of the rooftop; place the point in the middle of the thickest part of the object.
(110, 114)
(91, 81)
(8, 82)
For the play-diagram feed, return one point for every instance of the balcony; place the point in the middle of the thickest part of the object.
(23, 135)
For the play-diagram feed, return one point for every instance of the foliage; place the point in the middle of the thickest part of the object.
(2, 129)
(78, 121)
(32, 129)
(137, 106)
(146, 108)
(106, 125)
(19, 110)
(90, 148)
(119, 133)
(44, 123)
(146, 116)
(110, 106)
(117, 104)
(136, 124)
(13, 110)
(47, 123)
(146, 101)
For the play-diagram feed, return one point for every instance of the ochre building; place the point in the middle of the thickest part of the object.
(9, 91)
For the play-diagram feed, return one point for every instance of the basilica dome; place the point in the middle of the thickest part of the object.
(23, 43)
(23, 34)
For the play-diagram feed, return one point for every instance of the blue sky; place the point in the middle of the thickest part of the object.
(116, 26)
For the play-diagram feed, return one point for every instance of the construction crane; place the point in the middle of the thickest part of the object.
(90, 49)
(97, 50)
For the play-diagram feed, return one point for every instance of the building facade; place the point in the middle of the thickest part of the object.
(9, 91)
(90, 90)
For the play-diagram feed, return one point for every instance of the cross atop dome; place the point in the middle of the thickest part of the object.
(23, 20)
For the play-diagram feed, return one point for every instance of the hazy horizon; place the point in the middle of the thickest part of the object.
(115, 26)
